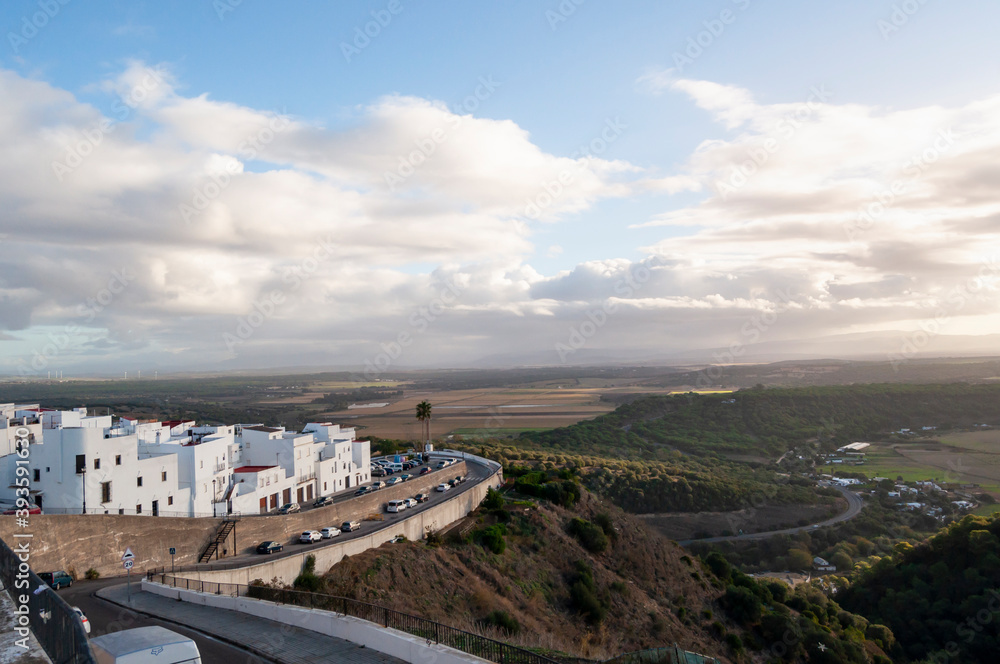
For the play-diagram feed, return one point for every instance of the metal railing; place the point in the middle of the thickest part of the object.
(53, 622)
(433, 632)
(669, 655)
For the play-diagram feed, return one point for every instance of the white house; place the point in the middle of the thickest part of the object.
(84, 464)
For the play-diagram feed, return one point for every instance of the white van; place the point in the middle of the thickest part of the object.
(395, 506)
(396, 467)
(145, 644)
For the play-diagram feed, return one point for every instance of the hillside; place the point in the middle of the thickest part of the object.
(584, 579)
(940, 598)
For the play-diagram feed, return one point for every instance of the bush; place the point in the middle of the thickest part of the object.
(719, 565)
(433, 538)
(607, 525)
(590, 536)
(493, 499)
(734, 642)
(308, 580)
(502, 621)
(584, 597)
(492, 538)
(92, 574)
(742, 605)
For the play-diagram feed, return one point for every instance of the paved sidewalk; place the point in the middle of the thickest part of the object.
(10, 652)
(277, 641)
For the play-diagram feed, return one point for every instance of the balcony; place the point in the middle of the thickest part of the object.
(219, 468)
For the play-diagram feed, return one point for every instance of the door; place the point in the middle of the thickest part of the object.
(287, 495)
(348, 482)
(301, 495)
(263, 505)
(156, 508)
(309, 492)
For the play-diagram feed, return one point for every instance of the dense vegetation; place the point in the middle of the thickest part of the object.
(940, 598)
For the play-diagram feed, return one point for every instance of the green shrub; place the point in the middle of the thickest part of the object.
(492, 538)
(734, 642)
(308, 580)
(607, 525)
(493, 499)
(590, 536)
(92, 574)
(502, 621)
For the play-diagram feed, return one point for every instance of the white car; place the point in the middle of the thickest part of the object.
(411, 502)
(83, 619)
(310, 536)
(327, 533)
(443, 487)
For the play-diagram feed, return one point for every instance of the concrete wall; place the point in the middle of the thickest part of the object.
(381, 639)
(413, 527)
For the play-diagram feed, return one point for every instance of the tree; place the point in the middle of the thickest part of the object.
(799, 559)
(424, 415)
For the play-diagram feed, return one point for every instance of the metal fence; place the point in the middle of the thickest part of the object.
(433, 632)
(669, 655)
(49, 617)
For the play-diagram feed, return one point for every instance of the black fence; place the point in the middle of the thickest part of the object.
(56, 626)
(473, 644)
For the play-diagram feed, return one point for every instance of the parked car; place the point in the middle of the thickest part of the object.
(350, 526)
(443, 487)
(442, 464)
(393, 481)
(396, 506)
(290, 508)
(422, 497)
(31, 509)
(378, 485)
(363, 490)
(83, 619)
(411, 502)
(269, 547)
(323, 501)
(378, 472)
(405, 477)
(144, 644)
(56, 580)
(327, 533)
(310, 536)
(425, 470)
(453, 482)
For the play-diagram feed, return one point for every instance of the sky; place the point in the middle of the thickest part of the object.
(396, 184)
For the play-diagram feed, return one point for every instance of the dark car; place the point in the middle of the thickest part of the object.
(363, 490)
(56, 580)
(289, 508)
(324, 501)
(269, 547)
(422, 497)
(425, 470)
(350, 526)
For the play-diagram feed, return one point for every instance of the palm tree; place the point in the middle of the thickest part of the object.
(424, 415)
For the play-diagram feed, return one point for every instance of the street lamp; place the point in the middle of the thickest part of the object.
(83, 478)
(213, 496)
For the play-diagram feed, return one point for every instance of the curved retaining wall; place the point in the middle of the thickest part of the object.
(413, 527)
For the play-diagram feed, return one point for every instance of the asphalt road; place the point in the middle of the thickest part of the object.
(854, 506)
(475, 473)
(106, 617)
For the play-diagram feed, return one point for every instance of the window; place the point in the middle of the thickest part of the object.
(47, 468)
(118, 459)
(38, 475)
(138, 481)
(170, 500)
(202, 462)
(121, 510)
(105, 492)
(81, 463)
(324, 487)
(97, 464)
(138, 509)
(163, 476)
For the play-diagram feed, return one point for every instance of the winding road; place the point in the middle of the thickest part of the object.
(854, 507)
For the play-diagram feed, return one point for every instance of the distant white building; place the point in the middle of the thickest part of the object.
(80, 463)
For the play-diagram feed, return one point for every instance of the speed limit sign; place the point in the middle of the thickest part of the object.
(128, 564)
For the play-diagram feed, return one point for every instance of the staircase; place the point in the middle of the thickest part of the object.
(220, 537)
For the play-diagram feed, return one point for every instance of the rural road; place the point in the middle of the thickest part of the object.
(854, 506)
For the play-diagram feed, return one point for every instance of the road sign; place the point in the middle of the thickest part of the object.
(128, 564)
(173, 550)
(128, 555)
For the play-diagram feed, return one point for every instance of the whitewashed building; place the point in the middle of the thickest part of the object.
(80, 463)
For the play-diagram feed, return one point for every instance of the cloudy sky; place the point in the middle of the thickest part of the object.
(393, 183)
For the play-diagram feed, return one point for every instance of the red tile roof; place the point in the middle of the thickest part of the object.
(252, 469)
